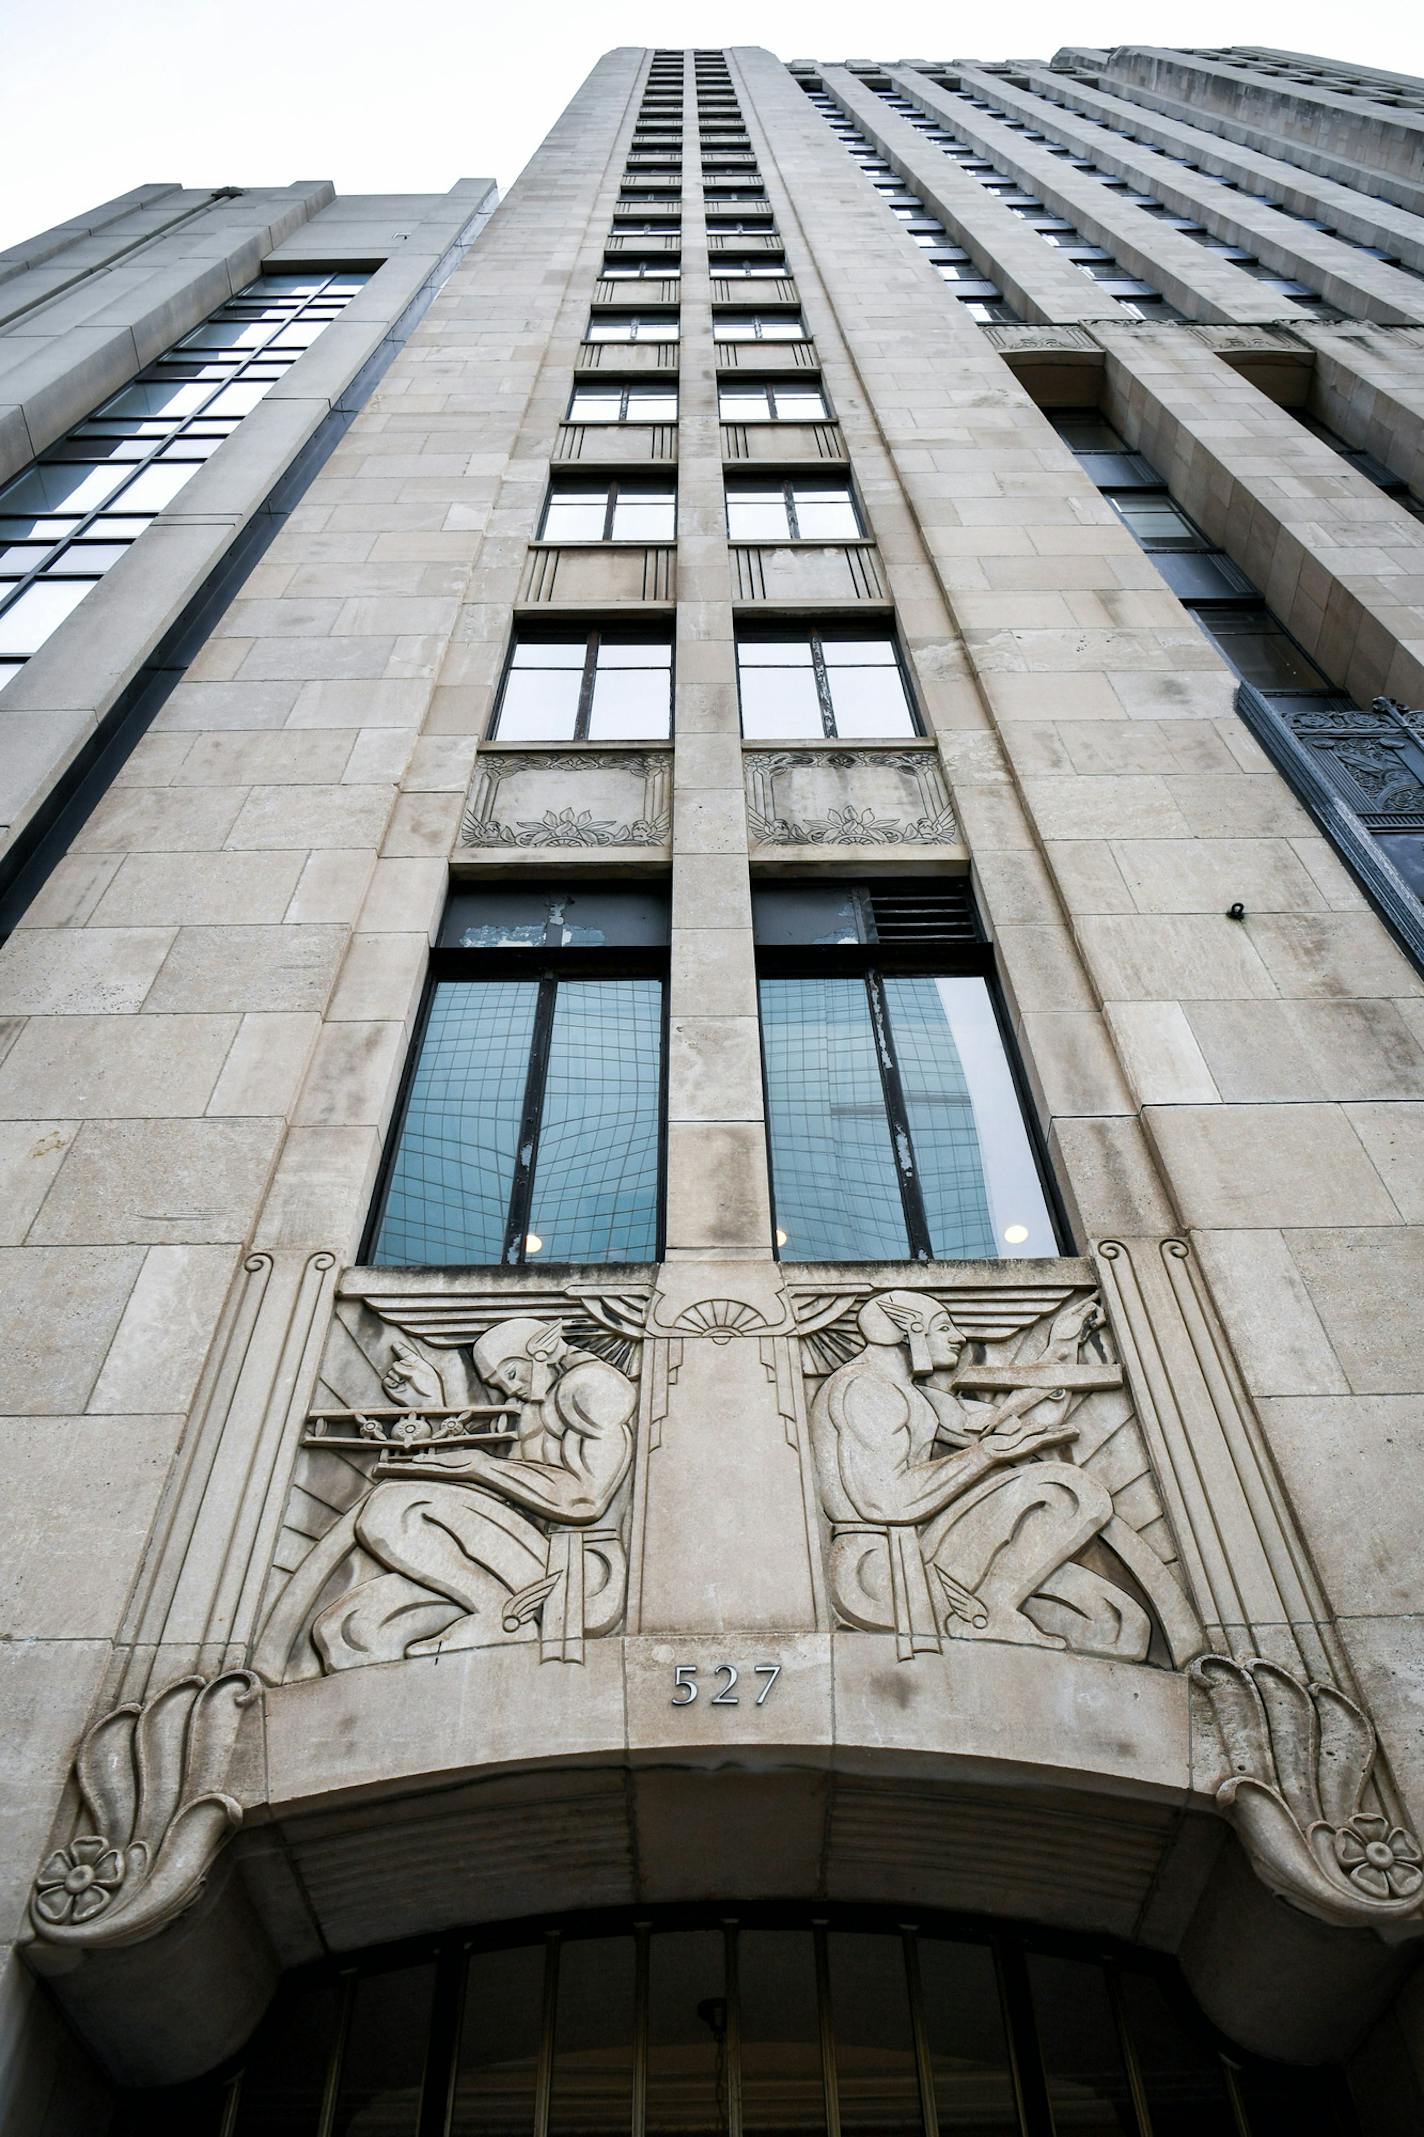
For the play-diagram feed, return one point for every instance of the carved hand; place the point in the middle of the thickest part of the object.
(1013, 1440)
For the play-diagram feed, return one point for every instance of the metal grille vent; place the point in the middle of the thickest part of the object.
(937, 912)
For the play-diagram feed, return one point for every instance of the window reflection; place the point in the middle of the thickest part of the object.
(822, 683)
(603, 686)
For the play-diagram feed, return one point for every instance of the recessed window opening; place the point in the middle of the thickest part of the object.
(832, 680)
(606, 684)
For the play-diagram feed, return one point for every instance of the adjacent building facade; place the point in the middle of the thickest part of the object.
(712, 1120)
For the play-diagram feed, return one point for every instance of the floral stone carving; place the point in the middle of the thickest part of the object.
(1302, 1760)
(465, 1522)
(537, 800)
(155, 1812)
(955, 1502)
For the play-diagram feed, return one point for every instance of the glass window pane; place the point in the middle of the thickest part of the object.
(1156, 523)
(631, 704)
(825, 513)
(241, 399)
(86, 560)
(964, 2032)
(540, 704)
(497, 2073)
(949, 1162)
(60, 486)
(800, 404)
(875, 2057)
(592, 2084)
(758, 515)
(42, 608)
(448, 1200)
(1259, 649)
(869, 701)
(833, 1169)
(384, 2059)
(596, 1173)
(780, 701)
(575, 516)
(1082, 2057)
(1181, 2072)
(634, 653)
(645, 516)
(549, 653)
(687, 2034)
(285, 2072)
(781, 2049)
(593, 404)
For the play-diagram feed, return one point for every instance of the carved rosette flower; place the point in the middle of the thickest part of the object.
(1382, 1859)
(1301, 1757)
(79, 1881)
(149, 1780)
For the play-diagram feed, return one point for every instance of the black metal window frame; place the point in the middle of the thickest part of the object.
(597, 636)
(770, 388)
(179, 364)
(634, 320)
(749, 266)
(873, 960)
(661, 226)
(214, 2104)
(721, 320)
(641, 266)
(816, 635)
(614, 488)
(740, 225)
(548, 964)
(628, 390)
(788, 486)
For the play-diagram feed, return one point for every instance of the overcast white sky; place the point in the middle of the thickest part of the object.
(409, 95)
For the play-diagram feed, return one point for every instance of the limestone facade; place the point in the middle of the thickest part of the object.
(1141, 1659)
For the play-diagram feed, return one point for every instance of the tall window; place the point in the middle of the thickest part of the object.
(532, 1121)
(70, 516)
(894, 1122)
(1217, 594)
(797, 509)
(612, 511)
(832, 680)
(587, 686)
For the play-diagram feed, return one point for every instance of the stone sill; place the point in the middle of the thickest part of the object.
(893, 743)
(812, 541)
(492, 744)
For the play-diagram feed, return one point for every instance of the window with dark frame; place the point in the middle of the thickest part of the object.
(601, 685)
(828, 679)
(633, 326)
(613, 510)
(68, 517)
(757, 326)
(531, 1124)
(793, 508)
(622, 401)
(772, 401)
(641, 266)
(895, 1122)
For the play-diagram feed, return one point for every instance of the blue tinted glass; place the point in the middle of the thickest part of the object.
(948, 1159)
(973, 1156)
(454, 1164)
(596, 1175)
(832, 1164)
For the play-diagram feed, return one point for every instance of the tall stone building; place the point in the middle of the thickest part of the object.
(711, 1121)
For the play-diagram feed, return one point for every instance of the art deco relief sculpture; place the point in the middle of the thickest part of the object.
(954, 1505)
(478, 1522)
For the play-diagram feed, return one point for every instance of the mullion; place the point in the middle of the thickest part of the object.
(788, 490)
(610, 508)
(912, 1200)
(584, 713)
(526, 1149)
(823, 686)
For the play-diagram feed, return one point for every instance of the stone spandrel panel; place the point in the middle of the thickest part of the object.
(848, 797)
(533, 802)
(488, 1466)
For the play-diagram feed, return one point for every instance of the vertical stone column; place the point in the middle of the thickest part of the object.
(718, 1201)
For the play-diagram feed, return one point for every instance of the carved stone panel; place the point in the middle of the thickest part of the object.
(842, 797)
(806, 571)
(981, 1475)
(464, 1479)
(582, 798)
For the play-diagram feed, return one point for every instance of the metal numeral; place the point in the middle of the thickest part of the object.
(684, 1680)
